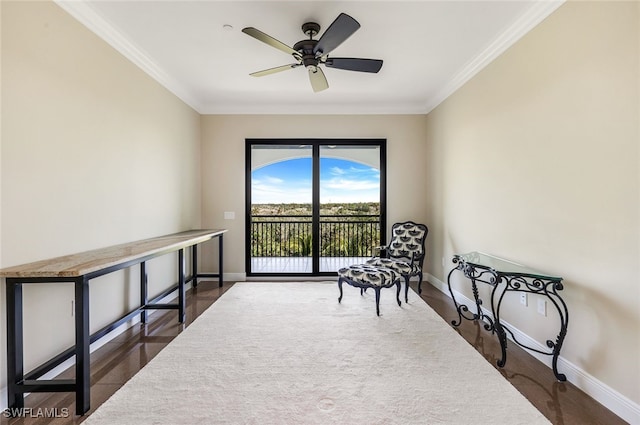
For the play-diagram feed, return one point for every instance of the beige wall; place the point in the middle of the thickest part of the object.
(223, 156)
(536, 160)
(94, 152)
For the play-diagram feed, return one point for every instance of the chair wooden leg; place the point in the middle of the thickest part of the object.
(377, 289)
(406, 289)
(398, 292)
(340, 287)
(420, 283)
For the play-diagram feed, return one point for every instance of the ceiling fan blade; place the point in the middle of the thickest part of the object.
(317, 79)
(336, 34)
(274, 70)
(355, 64)
(267, 39)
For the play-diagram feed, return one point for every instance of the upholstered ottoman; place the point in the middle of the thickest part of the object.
(364, 276)
(403, 268)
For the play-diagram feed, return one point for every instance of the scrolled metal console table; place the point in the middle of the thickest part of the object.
(505, 276)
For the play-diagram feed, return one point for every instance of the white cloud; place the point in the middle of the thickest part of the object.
(277, 191)
(349, 185)
(273, 180)
(337, 171)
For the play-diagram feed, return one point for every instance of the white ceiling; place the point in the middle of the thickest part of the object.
(429, 48)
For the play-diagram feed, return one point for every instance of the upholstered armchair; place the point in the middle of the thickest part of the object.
(405, 252)
(400, 260)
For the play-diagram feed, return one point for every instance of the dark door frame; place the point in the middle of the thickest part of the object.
(315, 144)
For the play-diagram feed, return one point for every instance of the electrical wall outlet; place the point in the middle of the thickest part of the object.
(542, 307)
(443, 262)
(229, 215)
(523, 298)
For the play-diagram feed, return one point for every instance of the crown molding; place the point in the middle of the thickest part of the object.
(88, 17)
(538, 12)
(85, 14)
(386, 108)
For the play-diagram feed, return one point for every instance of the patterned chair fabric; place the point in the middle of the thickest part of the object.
(405, 253)
(372, 276)
(364, 276)
(395, 265)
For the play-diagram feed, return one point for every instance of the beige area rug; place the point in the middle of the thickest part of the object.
(288, 353)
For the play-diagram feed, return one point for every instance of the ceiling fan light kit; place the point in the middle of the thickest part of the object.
(312, 53)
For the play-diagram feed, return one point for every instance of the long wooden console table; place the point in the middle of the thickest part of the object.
(79, 269)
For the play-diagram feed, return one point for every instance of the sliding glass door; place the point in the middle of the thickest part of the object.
(349, 204)
(313, 205)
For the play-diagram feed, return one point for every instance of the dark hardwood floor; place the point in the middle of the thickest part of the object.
(118, 360)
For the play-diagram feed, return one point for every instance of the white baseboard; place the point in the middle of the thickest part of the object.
(228, 277)
(235, 277)
(4, 396)
(601, 392)
(291, 278)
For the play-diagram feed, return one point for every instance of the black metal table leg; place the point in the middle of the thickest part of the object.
(194, 264)
(460, 308)
(220, 262)
(15, 347)
(476, 298)
(181, 290)
(144, 299)
(83, 385)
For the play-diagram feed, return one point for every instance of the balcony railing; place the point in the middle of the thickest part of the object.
(291, 235)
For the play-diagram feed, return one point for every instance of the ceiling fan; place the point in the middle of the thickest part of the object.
(313, 53)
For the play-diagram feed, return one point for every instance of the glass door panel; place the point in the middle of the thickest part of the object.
(280, 219)
(350, 199)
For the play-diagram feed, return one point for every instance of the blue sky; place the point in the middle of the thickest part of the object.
(290, 182)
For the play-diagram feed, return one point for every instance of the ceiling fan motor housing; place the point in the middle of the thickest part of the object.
(305, 48)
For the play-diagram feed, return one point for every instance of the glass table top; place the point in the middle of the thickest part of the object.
(503, 266)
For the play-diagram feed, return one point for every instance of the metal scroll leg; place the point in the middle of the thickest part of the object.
(181, 290)
(502, 337)
(496, 325)
(476, 298)
(15, 359)
(455, 303)
(83, 386)
(564, 323)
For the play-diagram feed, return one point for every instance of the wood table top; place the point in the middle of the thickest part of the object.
(83, 263)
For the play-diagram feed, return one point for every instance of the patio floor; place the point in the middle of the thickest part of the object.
(301, 264)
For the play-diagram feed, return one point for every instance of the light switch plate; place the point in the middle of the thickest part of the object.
(542, 307)
(523, 298)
